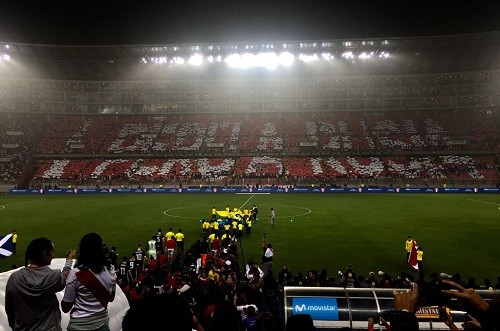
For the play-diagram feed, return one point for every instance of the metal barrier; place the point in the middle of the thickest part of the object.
(334, 307)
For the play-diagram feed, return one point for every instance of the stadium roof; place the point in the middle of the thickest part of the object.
(111, 62)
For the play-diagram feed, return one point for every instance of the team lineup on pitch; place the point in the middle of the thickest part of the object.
(327, 230)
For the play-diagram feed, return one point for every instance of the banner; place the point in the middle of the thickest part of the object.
(6, 246)
(412, 259)
(320, 308)
(271, 190)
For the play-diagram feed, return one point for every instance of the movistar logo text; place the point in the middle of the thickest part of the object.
(303, 307)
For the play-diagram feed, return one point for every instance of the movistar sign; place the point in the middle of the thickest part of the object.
(324, 309)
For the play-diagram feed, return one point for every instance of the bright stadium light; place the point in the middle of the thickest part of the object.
(348, 55)
(269, 61)
(248, 60)
(196, 60)
(365, 56)
(233, 60)
(308, 58)
(286, 59)
(177, 60)
(327, 56)
(383, 55)
(5, 57)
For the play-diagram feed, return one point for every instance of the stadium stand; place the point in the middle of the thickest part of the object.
(433, 118)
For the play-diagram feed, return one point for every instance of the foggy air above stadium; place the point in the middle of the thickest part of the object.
(178, 22)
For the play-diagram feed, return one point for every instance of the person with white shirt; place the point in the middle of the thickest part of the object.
(90, 286)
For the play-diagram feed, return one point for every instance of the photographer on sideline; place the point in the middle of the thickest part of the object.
(267, 257)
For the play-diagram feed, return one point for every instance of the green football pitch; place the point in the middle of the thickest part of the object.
(458, 232)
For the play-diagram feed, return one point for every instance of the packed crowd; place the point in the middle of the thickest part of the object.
(206, 287)
(210, 275)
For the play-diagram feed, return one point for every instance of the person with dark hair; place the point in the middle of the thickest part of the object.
(14, 241)
(249, 323)
(267, 256)
(420, 260)
(30, 295)
(255, 213)
(226, 317)
(408, 246)
(90, 286)
(113, 257)
(157, 312)
(179, 239)
(485, 314)
(349, 278)
(300, 322)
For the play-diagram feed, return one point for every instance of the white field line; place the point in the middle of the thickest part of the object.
(18, 203)
(490, 203)
(244, 203)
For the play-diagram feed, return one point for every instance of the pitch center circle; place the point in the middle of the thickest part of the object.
(302, 211)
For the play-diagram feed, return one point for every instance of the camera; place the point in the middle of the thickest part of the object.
(444, 313)
(431, 294)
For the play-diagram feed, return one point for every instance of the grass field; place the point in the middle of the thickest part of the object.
(458, 233)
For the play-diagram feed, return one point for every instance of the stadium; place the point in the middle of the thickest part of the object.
(356, 143)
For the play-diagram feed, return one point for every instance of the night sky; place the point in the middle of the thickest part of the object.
(204, 21)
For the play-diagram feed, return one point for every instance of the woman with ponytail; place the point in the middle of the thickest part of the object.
(30, 296)
(90, 287)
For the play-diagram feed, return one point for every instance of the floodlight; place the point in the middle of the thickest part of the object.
(233, 60)
(196, 59)
(248, 60)
(269, 61)
(348, 55)
(364, 55)
(327, 56)
(6, 57)
(286, 59)
(177, 60)
(308, 58)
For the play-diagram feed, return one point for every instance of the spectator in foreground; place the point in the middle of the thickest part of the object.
(90, 286)
(485, 314)
(161, 312)
(402, 318)
(300, 322)
(30, 298)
